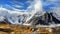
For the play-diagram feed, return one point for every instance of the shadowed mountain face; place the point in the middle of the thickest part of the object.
(45, 19)
(55, 20)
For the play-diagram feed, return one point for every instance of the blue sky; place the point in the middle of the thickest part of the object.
(11, 3)
(50, 4)
(23, 4)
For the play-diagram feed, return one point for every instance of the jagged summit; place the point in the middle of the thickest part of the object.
(45, 19)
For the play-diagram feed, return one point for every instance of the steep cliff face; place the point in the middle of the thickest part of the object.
(46, 19)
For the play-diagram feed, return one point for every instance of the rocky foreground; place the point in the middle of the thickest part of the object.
(20, 29)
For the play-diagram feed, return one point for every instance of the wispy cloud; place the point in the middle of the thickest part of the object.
(35, 7)
(17, 6)
(49, 4)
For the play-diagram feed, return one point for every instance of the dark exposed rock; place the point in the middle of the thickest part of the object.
(45, 19)
(6, 30)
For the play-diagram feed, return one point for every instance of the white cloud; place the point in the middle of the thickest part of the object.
(16, 2)
(29, 1)
(51, 0)
(36, 7)
(1, 9)
(17, 6)
(14, 9)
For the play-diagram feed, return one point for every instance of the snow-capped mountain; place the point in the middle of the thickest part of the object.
(18, 17)
(13, 17)
(56, 13)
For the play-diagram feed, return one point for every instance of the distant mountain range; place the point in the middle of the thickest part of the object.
(16, 17)
(13, 17)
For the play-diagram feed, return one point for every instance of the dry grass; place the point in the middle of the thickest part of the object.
(20, 29)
